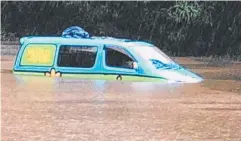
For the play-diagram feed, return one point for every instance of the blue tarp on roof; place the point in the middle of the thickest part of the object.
(75, 32)
(78, 32)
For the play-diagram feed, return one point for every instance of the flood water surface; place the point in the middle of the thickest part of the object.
(42, 108)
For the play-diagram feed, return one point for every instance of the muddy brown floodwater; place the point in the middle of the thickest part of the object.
(45, 109)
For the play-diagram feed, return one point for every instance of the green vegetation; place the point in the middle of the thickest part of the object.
(179, 28)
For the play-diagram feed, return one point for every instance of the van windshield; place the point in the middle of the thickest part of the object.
(153, 54)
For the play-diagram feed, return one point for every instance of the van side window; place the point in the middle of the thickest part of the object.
(38, 55)
(77, 56)
(118, 58)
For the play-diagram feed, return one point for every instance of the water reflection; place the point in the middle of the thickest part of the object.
(61, 86)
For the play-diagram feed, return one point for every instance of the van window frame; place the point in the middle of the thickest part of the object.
(77, 46)
(21, 53)
(113, 68)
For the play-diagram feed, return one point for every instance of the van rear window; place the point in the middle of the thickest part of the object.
(38, 55)
(77, 56)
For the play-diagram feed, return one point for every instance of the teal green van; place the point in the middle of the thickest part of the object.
(90, 57)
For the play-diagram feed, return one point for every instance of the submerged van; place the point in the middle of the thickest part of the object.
(76, 54)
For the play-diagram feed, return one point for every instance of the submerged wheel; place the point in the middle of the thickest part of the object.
(119, 77)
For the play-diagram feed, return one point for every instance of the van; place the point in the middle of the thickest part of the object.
(104, 58)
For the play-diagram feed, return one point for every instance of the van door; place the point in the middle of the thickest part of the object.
(118, 63)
